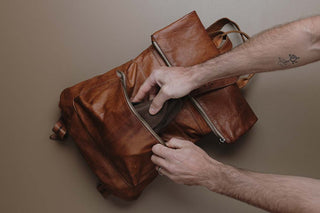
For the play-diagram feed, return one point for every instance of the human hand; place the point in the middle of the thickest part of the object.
(174, 82)
(185, 163)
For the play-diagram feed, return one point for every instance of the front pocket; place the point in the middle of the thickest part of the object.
(122, 77)
(121, 135)
(228, 110)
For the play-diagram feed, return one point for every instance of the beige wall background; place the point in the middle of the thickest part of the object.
(49, 45)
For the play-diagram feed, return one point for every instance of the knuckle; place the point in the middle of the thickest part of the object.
(156, 73)
(188, 151)
(173, 168)
(167, 91)
(170, 168)
(178, 156)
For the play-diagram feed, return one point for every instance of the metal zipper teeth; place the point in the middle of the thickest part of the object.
(155, 44)
(207, 119)
(193, 100)
(122, 77)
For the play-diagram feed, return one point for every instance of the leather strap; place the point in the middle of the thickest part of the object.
(217, 36)
(218, 25)
(60, 130)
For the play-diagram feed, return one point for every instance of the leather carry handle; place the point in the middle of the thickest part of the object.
(214, 30)
(218, 25)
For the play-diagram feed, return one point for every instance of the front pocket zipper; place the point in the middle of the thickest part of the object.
(207, 119)
(194, 102)
(122, 77)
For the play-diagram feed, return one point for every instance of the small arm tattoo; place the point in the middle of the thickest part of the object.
(285, 62)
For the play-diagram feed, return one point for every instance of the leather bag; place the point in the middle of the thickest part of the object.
(114, 136)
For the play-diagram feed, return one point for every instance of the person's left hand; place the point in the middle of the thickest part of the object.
(185, 163)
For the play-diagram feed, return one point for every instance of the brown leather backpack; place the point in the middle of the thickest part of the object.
(114, 138)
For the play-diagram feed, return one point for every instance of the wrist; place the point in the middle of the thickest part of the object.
(192, 78)
(221, 177)
(214, 175)
(202, 74)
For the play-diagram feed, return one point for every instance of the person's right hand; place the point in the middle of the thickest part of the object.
(185, 163)
(173, 82)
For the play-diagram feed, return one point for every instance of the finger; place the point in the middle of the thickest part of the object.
(163, 171)
(158, 102)
(147, 85)
(177, 143)
(162, 151)
(158, 161)
(153, 92)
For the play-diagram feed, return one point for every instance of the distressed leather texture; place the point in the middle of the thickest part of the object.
(115, 143)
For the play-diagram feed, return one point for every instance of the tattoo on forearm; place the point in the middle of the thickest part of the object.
(285, 62)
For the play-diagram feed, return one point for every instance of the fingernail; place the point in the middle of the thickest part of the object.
(152, 111)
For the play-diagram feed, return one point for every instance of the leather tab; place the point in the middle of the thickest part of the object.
(221, 41)
(242, 82)
(59, 130)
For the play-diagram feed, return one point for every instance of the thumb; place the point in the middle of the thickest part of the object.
(145, 88)
(176, 143)
(158, 102)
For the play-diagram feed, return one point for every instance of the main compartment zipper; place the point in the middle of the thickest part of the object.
(195, 103)
(122, 77)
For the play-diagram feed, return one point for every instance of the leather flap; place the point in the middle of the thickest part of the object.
(186, 42)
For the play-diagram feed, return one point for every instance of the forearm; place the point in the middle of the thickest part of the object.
(282, 47)
(275, 193)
